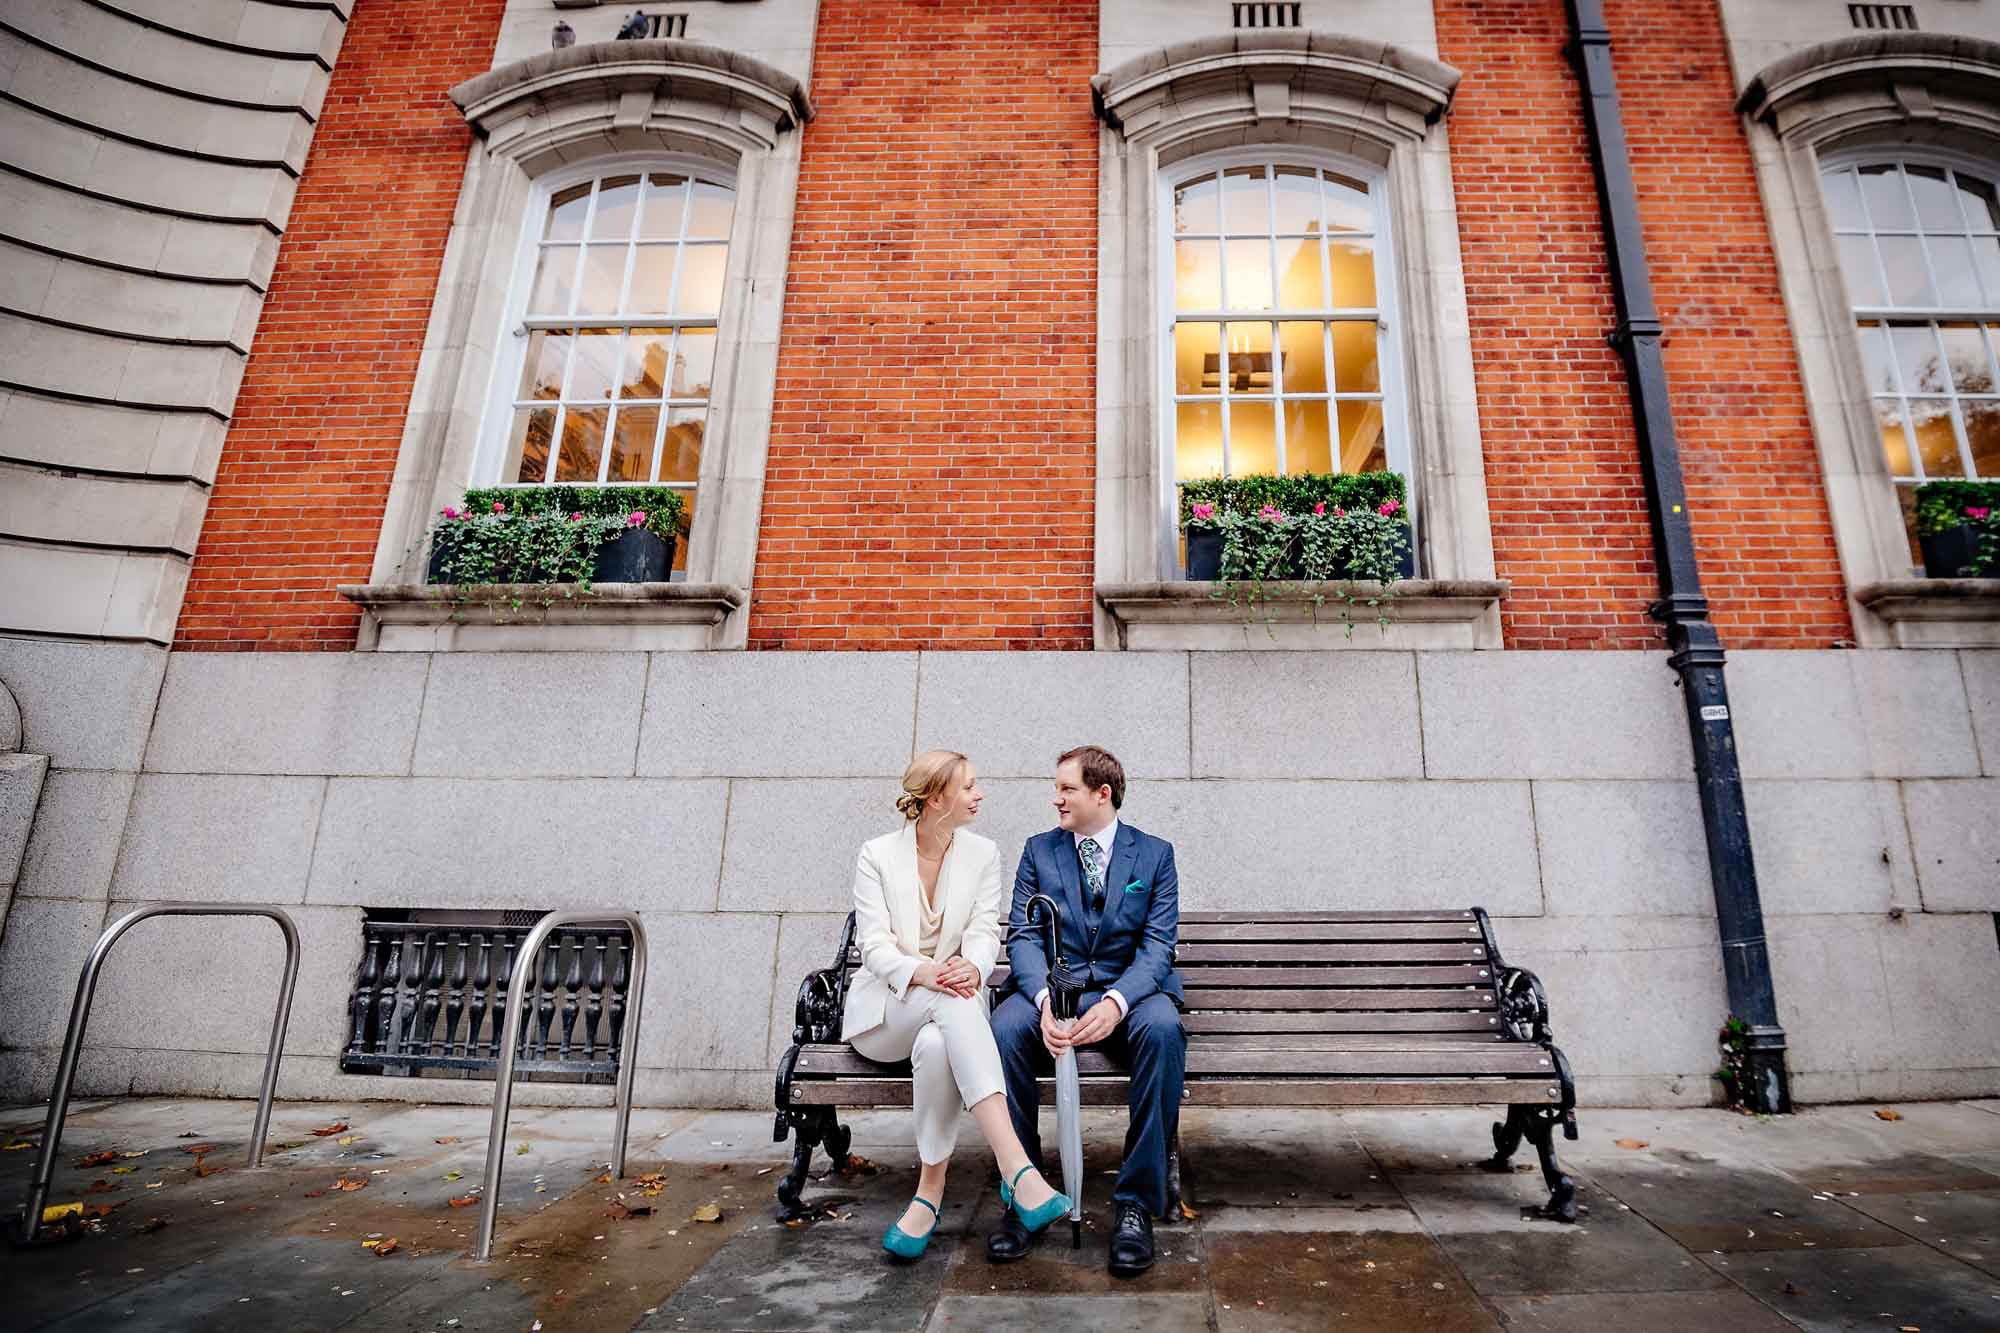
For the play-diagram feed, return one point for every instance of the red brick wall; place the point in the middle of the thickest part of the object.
(305, 469)
(929, 483)
(1569, 521)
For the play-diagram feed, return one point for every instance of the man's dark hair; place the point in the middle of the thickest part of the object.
(1100, 769)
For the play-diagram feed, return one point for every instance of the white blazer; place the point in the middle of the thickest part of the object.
(887, 925)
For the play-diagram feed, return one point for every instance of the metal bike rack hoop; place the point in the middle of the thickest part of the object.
(510, 1042)
(79, 1015)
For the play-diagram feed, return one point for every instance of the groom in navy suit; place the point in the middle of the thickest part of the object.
(1120, 899)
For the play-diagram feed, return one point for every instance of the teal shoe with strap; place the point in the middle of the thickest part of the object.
(905, 1246)
(1034, 1219)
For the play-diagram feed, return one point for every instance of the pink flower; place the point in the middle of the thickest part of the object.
(451, 511)
(1271, 514)
(1388, 507)
(637, 519)
(499, 508)
(1977, 511)
(576, 518)
(1204, 511)
(1320, 508)
(1338, 512)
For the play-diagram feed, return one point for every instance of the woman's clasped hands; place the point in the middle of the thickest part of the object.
(954, 976)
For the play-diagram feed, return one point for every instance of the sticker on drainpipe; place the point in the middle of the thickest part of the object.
(1715, 712)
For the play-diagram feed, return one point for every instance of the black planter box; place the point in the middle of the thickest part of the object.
(1951, 551)
(1204, 556)
(634, 556)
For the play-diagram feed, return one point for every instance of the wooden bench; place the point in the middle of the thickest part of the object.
(1283, 1009)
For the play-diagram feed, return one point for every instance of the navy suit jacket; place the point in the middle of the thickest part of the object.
(1133, 949)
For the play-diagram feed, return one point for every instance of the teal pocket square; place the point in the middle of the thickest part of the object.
(1135, 887)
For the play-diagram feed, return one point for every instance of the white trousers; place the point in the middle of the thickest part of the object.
(953, 1061)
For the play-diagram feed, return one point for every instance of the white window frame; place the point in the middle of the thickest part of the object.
(496, 419)
(1391, 350)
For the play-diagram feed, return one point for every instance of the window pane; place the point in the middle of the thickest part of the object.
(542, 371)
(1982, 432)
(1197, 275)
(1357, 366)
(1307, 448)
(1249, 283)
(1965, 355)
(582, 443)
(632, 434)
(644, 373)
(694, 363)
(566, 213)
(603, 276)
(617, 206)
(1875, 359)
(1982, 209)
(1361, 445)
(1195, 206)
(652, 278)
(699, 291)
(1895, 445)
(596, 365)
(680, 454)
(1857, 262)
(711, 211)
(1888, 205)
(1346, 203)
(1986, 256)
(1197, 440)
(1917, 358)
(688, 498)
(1937, 443)
(1253, 438)
(1304, 359)
(1299, 275)
(1353, 265)
(528, 444)
(1903, 264)
(666, 201)
(1843, 201)
(1937, 201)
(1197, 358)
(1296, 197)
(1246, 206)
(1250, 368)
(1951, 257)
(555, 275)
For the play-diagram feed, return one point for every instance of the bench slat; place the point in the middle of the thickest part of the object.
(1209, 1056)
(1253, 1021)
(1461, 974)
(1466, 998)
(1191, 954)
(1226, 918)
(1300, 931)
(1232, 1092)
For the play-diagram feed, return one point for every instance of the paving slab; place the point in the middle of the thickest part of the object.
(1835, 1291)
(1053, 1267)
(1640, 1312)
(1743, 1211)
(1962, 1223)
(1143, 1313)
(1385, 1281)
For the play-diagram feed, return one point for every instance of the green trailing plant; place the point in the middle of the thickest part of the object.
(544, 535)
(1944, 505)
(1733, 1073)
(1296, 494)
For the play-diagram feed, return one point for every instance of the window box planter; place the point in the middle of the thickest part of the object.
(1958, 528)
(1341, 527)
(634, 556)
(1204, 556)
(1950, 553)
(543, 535)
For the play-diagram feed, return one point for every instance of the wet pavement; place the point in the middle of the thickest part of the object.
(1834, 1219)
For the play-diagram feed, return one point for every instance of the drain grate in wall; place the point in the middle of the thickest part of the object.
(1900, 17)
(1262, 15)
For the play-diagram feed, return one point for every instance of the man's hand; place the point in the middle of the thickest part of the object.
(1096, 1025)
(1055, 1031)
(957, 977)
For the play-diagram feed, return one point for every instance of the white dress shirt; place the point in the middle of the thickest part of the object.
(1104, 837)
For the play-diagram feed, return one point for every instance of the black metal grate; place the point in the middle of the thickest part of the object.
(1901, 17)
(1264, 15)
(429, 999)
(640, 25)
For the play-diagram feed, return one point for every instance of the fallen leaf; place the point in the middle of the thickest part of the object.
(141, 1153)
(1188, 1214)
(156, 1184)
(381, 1247)
(708, 1212)
(765, 1172)
(795, 1222)
(327, 1131)
(199, 1148)
(350, 1183)
(1906, 1328)
(346, 1139)
(1886, 1114)
(102, 1209)
(55, 1212)
(603, 1178)
(449, 1138)
(618, 1210)
(123, 1170)
(1634, 1144)
(150, 1225)
(98, 1158)
(204, 1167)
(454, 1175)
(102, 1186)
(309, 1194)
(18, 1144)
(463, 1201)
(521, 1149)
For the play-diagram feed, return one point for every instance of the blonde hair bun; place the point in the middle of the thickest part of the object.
(929, 773)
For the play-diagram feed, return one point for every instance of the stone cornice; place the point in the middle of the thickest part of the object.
(1880, 59)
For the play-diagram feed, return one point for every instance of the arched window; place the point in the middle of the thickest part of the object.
(1919, 244)
(617, 316)
(1281, 358)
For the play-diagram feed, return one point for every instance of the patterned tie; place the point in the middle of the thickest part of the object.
(1093, 878)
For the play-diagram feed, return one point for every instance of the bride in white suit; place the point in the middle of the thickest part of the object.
(928, 919)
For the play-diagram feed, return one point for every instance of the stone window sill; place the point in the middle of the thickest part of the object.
(418, 618)
(1936, 613)
(1420, 613)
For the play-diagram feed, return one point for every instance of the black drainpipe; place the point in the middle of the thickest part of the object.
(1696, 651)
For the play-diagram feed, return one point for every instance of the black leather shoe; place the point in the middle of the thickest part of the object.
(1013, 1240)
(1131, 1241)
